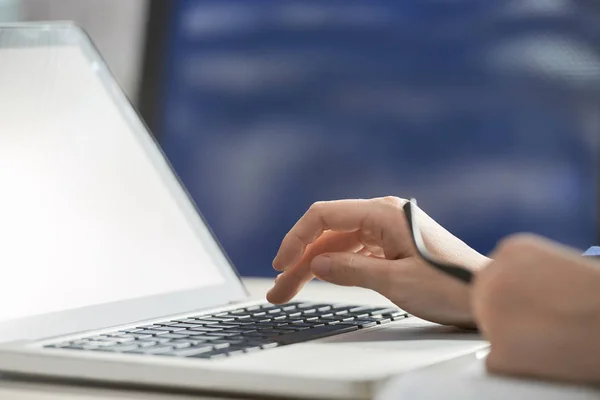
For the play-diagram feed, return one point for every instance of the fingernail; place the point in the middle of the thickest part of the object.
(321, 265)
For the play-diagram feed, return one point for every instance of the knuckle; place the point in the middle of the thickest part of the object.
(393, 202)
(518, 243)
(316, 207)
(392, 208)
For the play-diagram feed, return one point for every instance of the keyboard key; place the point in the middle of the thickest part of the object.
(261, 320)
(269, 345)
(218, 319)
(359, 315)
(193, 321)
(374, 310)
(195, 335)
(259, 314)
(253, 308)
(173, 336)
(146, 343)
(234, 324)
(361, 323)
(387, 311)
(305, 305)
(119, 348)
(91, 343)
(277, 315)
(234, 351)
(338, 307)
(156, 349)
(110, 339)
(381, 320)
(192, 351)
(77, 347)
(262, 326)
(229, 342)
(148, 327)
(294, 328)
(289, 307)
(221, 345)
(155, 339)
(180, 343)
(185, 326)
(240, 331)
(211, 328)
(153, 332)
(267, 306)
(255, 334)
(221, 314)
(325, 314)
(238, 311)
(217, 353)
(122, 338)
(401, 315)
(316, 333)
(220, 334)
(170, 329)
(99, 338)
(294, 320)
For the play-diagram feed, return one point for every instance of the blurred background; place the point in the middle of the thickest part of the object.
(486, 111)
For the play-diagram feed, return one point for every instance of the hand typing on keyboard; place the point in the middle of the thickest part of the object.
(367, 243)
(535, 301)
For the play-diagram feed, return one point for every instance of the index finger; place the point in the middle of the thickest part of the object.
(338, 215)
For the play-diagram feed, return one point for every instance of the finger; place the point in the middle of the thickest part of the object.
(352, 269)
(380, 218)
(289, 283)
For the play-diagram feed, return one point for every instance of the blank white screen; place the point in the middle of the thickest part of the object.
(85, 218)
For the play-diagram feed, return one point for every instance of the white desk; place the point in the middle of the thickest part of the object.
(454, 381)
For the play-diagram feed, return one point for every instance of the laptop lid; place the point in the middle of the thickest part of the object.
(95, 228)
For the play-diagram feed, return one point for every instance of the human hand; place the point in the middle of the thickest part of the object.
(367, 243)
(538, 303)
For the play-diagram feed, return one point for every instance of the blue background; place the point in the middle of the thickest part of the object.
(485, 111)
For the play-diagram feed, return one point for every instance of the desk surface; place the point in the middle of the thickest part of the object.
(467, 385)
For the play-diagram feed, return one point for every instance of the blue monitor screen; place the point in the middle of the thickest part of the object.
(486, 111)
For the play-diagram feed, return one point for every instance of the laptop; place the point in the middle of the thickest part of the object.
(110, 273)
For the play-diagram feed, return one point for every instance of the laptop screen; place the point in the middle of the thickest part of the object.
(87, 216)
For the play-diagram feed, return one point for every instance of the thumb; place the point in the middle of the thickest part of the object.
(351, 269)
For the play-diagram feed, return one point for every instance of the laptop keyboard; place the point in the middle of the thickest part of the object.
(238, 331)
